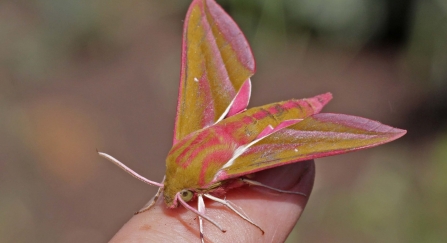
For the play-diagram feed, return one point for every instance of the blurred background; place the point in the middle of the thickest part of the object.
(76, 76)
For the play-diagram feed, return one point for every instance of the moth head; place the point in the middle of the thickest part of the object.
(172, 195)
(186, 195)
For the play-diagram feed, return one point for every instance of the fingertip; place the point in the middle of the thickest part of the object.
(276, 213)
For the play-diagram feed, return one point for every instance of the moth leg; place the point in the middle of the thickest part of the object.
(228, 205)
(201, 208)
(153, 200)
(256, 183)
(186, 205)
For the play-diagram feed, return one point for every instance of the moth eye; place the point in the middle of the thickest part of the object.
(186, 195)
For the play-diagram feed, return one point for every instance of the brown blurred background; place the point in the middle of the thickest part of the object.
(76, 76)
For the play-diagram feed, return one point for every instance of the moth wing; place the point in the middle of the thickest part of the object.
(319, 135)
(217, 63)
(205, 152)
(257, 122)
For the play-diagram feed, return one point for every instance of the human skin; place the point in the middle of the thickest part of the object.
(276, 213)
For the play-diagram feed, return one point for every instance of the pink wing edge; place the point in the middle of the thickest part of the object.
(182, 69)
(349, 120)
(244, 93)
(317, 102)
(240, 101)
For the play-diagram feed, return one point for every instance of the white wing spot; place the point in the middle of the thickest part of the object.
(237, 153)
(296, 150)
(240, 150)
(196, 79)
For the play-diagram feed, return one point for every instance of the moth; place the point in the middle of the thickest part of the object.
(218, 142)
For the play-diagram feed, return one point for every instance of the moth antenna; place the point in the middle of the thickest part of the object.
(228, 205)
(128, 170)
(256, 183)
(177, 196)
